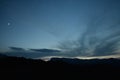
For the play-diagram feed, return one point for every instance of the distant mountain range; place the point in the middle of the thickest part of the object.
(62, 68)
(74, 61)
(110, 61)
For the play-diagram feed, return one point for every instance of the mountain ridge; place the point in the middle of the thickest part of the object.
(62, 68)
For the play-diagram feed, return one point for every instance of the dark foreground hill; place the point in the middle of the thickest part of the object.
(59, 68)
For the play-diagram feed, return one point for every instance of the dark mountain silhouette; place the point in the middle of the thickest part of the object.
(20, 68)
(110, 61)
(2, 55)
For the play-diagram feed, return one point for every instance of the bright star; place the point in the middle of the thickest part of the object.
(9, 23)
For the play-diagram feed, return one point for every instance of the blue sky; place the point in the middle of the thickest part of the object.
(37, 23)
(45, 23)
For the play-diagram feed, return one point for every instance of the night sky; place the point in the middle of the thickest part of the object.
(52, 24)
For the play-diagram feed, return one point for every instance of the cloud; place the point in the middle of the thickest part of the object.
(45, 50)
(17, 49)
(109, 48)
(32, 53)
(100, 38)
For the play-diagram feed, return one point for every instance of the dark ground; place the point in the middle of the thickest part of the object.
(28, 69)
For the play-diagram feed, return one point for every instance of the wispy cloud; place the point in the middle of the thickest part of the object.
(100, 38)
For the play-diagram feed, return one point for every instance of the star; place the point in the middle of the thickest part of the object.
(9, 23)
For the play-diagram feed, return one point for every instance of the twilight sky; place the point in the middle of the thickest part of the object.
(36, 24)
